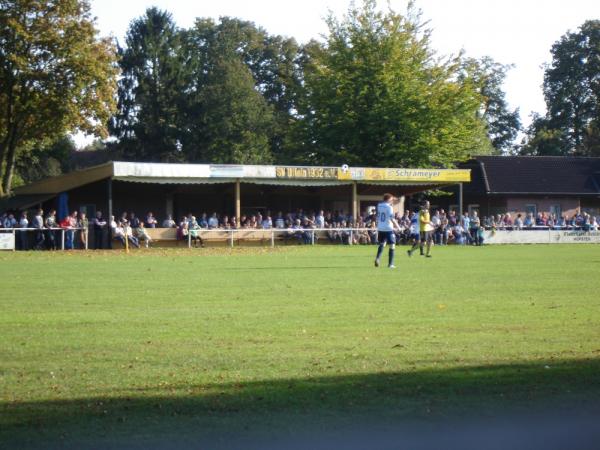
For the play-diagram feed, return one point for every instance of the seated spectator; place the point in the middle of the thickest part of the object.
(213, 222)
(182, 229)
(151, 220)
(203, 222)
(279, 221)
(118, 232)
(518, 225)
(142, 235)
(169, 222)
(529, 221)
(267, 223)
(130, 237)
(459, 234)
(193, 229)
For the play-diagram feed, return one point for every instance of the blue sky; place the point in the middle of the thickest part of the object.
(518, 32)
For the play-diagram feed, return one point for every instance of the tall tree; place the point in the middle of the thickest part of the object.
(572, 89)
(376, 94)
(151, 89)
(267, 62)
(503, 124)
(236, 120)
(55, 76)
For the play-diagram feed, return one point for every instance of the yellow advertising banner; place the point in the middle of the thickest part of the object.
(420, 175)
(346, 173)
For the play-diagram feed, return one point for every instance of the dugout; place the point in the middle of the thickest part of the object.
(233, 190)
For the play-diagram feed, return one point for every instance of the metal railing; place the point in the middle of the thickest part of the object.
(14, 232)
(307, 236)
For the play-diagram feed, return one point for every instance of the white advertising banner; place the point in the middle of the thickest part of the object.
(574, 237)
(7, 241)
(542, 237)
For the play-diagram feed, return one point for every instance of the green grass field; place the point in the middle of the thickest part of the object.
(101, 347)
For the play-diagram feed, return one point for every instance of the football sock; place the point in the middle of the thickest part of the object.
(391, 257)
(379, 251)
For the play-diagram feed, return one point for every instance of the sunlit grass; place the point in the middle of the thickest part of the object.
(246, 333)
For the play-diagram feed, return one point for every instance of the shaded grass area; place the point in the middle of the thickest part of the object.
(279, 407)
(104, 346)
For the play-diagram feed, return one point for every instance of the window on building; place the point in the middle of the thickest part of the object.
(555, 210)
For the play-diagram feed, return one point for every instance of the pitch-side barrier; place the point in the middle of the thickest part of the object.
(309, 236)
(8, 236)
(546, 236)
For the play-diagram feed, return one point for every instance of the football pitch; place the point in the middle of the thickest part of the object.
(216, 346)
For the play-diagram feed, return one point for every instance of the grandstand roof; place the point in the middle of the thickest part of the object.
(554, 175)
(162, 173)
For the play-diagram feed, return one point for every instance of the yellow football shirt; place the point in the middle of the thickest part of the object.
(424, 219)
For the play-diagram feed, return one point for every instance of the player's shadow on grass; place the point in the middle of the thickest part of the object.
(172, 411)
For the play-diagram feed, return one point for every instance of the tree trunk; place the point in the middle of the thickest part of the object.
(9, 163)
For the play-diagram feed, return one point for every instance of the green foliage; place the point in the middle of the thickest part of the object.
(55, 76)
(218, 92)
(151, 89)
(212, 342)
(47, 161)
(236, 119)
(572, 94)
(503, 125)
(377, 95)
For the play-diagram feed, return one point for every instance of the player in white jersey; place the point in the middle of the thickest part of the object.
(385, 229)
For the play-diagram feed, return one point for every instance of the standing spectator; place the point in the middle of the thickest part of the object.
(10, 221)
(83, 223)
(528, 222)
(134, 222)
(474, 224)
(38, 224)
(23, 223)
(69, 224)
(50, 224)
(99, 225)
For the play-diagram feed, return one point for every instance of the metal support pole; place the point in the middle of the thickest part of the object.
(272, 238)
(460, 200)
(189, 239)
(231, 239)
(62, 239)
(109, 236)
(351, 235)
(312, 237)
(14, 240)
(354, 202)
(238, 201)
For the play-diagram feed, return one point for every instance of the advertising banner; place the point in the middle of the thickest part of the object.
(7, 241)
(542, 237)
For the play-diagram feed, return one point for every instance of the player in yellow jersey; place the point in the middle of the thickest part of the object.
(425, 231)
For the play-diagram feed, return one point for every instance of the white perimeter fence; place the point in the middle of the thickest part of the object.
(541, 237)
(311, 236)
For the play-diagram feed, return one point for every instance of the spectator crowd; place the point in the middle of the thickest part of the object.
(44, 231)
